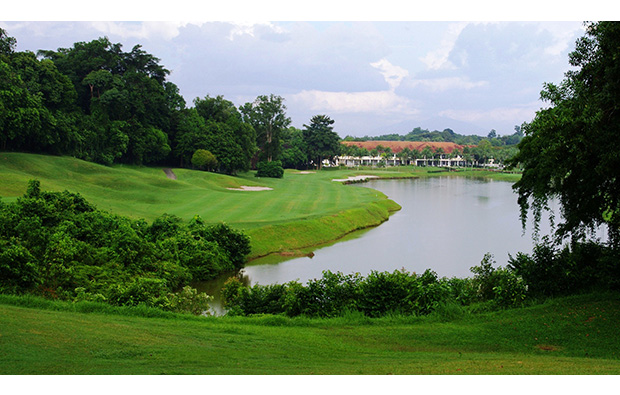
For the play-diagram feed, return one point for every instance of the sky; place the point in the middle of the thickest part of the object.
(371, 72)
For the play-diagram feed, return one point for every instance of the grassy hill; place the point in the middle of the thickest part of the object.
(302, 209)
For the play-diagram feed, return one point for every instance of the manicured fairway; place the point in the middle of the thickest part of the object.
(575, 335)
(146, 192)
(281, 219)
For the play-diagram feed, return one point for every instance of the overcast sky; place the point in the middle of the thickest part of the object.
(370, 77)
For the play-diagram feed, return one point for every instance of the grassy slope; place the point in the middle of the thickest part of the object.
(576, 335)
(302, 209)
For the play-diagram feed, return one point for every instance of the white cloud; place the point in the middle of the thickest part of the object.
(353, 102)
(563, 37)
(141, 30)
(503, 114)
(438, 58)
(249, 28)
(447, 83)
(393, 74)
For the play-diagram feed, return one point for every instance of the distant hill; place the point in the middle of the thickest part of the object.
(436, 123)
(447, 135)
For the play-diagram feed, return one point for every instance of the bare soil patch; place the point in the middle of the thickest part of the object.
(170, 174)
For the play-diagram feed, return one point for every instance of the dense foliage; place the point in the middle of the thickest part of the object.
(419, 134)
(581, 267)
(321, 140)
(60, 246)
(378, 294)
(271, 169)
(570, 149)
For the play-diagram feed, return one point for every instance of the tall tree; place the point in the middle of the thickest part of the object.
(7, 43)
(321, 140)
(294, 152)
(267, 114)
(239, 133)
(570, 149)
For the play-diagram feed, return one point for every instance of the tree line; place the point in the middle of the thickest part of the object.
(97, 102)
(448, 135)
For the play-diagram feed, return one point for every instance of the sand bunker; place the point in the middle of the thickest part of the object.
(247, 188)
(357, 178)
(305, 172)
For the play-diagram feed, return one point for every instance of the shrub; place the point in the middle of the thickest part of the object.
(271, 169)
(241, 300)
(384, 292)
(335, 294)
(189, 300)
(503, 286)
(579, 267)
(330, 295)
(204, 160)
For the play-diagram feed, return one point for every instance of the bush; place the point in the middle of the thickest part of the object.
(579, 267)
(502, 286)
(241, 300)
(328, 296)
(271, 169)
(204, 160)
(335, 294)
(189, 300)
(396, 292)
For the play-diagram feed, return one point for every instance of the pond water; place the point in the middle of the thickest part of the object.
(446, 224)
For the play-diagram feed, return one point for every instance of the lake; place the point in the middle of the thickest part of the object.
(446, 224)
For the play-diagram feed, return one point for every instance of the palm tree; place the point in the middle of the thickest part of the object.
(438, 153)
(426, 152)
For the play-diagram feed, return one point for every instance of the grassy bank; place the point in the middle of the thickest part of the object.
(575, 335)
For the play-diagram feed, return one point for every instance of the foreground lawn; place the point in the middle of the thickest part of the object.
(576, 335)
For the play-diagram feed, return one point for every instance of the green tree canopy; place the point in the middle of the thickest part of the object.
(570, 150)
(267, 114)
(321, 140)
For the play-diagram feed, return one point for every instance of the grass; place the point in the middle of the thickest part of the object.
(575, 335)
(301, 210)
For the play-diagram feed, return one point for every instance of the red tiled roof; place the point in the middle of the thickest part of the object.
(398, 146)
